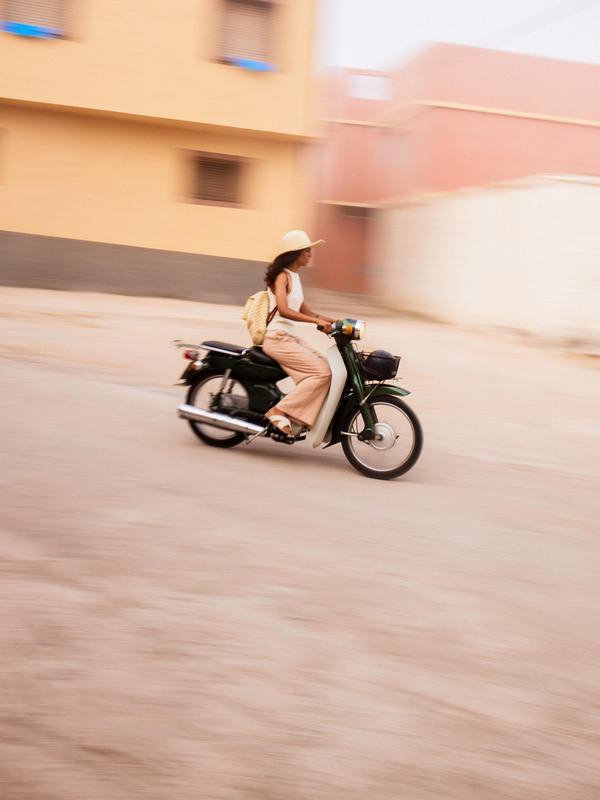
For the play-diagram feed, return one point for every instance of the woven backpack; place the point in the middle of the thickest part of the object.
(257, 316)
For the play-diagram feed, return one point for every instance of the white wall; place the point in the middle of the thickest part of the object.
(523, 255)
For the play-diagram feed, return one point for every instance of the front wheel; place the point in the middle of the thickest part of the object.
(397, 444)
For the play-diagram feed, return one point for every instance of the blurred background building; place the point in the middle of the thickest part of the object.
(466, 186)
(162, 149)
(150, 147)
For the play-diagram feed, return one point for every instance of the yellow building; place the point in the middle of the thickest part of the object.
(152, 147)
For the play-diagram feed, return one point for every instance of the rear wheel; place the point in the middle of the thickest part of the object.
(213, 392)
(398, 442)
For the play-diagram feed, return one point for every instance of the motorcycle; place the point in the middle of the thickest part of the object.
(231, 387)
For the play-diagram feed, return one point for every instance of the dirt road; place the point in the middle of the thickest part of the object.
(183, 622)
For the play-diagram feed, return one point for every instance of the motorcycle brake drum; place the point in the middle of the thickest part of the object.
(385, 436)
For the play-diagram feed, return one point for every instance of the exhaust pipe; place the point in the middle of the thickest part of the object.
(219, 420)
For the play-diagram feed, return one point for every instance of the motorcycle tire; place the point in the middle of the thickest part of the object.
(202, 394)
(398, 444)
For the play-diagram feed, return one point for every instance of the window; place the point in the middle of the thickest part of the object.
(42, 19)
(247, 34)
(217, 179)
(369, 87)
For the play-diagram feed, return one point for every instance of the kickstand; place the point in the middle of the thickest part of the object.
(256, 435)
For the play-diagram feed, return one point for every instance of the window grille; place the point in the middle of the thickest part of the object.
(42, 18)
(217, 180)
(246, 35)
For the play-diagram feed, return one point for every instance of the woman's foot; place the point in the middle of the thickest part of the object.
(281, 423)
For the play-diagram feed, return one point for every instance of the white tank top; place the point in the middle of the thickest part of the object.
(295, 299)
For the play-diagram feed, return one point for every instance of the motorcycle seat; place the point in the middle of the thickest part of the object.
(257, 355)
(223, 347)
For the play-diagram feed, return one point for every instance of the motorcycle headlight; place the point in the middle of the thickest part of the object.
(359, 329)
(355, 328)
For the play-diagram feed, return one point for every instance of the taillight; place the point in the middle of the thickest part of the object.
(191, 355)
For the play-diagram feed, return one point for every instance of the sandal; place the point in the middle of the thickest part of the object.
(282, 424)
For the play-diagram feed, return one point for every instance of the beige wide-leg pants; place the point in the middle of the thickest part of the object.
(309, 370)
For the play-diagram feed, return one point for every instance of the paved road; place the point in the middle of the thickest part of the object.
(183, 622)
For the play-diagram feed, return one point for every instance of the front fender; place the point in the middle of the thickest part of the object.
(386, 388)
(382, 390)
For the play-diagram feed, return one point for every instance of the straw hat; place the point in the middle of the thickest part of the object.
(297, 240)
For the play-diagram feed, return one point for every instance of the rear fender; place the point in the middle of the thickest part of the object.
(210, 361)
(191, 372)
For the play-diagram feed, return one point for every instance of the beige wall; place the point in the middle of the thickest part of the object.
(157, 59)
(96, 131)
(523, 255)
(107, 180)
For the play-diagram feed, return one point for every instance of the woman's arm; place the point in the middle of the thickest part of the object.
(304, 314)
(306, 310)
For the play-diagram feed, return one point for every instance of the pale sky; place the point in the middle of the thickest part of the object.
(382, 34)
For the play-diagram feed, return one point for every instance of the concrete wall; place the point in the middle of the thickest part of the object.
(455, 148)
(523, 255)
(458, 117)
(47, 262)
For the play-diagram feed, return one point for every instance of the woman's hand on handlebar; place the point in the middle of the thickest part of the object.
(324, 326)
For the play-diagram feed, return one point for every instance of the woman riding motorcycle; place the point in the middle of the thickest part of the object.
(308, 368)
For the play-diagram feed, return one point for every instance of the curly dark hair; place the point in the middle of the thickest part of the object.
(281, 262)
